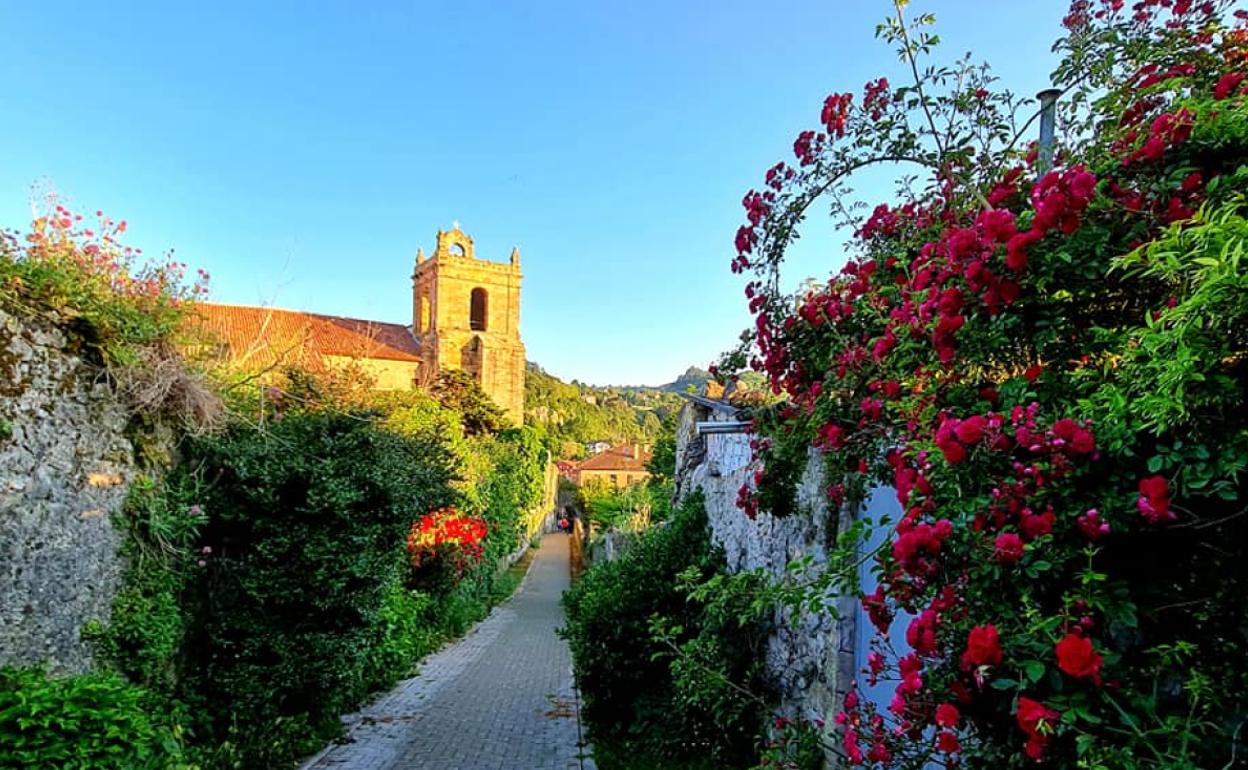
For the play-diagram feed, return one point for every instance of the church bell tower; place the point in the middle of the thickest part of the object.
(466, 315)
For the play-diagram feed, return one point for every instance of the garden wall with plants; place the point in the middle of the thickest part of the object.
(66, 464)
(200, 577)
(809, 654)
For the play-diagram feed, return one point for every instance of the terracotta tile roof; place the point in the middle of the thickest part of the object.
(619, 458)
(260, 336)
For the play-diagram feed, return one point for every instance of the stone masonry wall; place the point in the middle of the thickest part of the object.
(65, 466)
(810, 658)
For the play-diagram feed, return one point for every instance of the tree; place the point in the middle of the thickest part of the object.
(459, 391)
(662, 465)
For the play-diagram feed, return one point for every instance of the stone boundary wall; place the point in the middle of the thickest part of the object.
(811, 658)
(65, 467)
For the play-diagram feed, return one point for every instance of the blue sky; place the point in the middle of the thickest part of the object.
(302, 151)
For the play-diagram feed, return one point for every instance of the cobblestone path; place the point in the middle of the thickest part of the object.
(501, 698)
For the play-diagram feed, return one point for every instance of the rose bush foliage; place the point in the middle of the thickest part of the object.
(1046, 359)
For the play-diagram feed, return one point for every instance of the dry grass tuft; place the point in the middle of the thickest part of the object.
(160, 383)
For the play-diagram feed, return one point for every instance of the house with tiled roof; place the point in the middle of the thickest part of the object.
(465, 315)
(619, 466)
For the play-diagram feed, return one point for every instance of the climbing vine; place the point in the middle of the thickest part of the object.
(1045, 357)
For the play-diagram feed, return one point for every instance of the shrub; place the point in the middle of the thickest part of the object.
(630, 508)
(143, 639)
(635, 694)
(88, 722)
(64, 264)
(499, 477)
(306, 523)
(411, 627)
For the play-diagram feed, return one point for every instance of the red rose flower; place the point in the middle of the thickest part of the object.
(1091, 526)
(983, 647)
(1008, 548)
(1036, 525)
(1227, 84)
(833, 436)
(947, 742)
(970, 430)
(947, 715)
(954, 452)
(1154, 500)
(1037, 721)
(1077, 657)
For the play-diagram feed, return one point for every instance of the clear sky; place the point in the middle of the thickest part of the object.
(302, 151)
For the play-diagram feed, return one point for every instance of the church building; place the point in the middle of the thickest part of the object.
(465, 315)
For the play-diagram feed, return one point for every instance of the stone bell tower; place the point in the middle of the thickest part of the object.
(466, 315)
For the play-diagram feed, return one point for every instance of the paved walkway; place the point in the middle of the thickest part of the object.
(501, 698)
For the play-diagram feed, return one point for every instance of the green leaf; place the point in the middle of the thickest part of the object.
(1033, 670)
(1083, 713)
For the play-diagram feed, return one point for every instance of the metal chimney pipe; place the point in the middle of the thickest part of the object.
(1048, 123)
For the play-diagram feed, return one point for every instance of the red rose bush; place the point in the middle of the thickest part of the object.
(1046, 358)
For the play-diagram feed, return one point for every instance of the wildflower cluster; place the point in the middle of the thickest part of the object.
(69, 263)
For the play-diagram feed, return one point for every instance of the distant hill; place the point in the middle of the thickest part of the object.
(693, 378)
(575, 414)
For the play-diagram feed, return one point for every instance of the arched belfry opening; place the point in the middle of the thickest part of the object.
(479, 310)
(423, 323)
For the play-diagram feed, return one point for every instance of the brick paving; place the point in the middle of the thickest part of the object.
(501, 698)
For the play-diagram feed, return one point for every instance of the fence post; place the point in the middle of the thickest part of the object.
(1048, 122)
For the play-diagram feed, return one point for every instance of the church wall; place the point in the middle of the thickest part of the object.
(388, 375)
